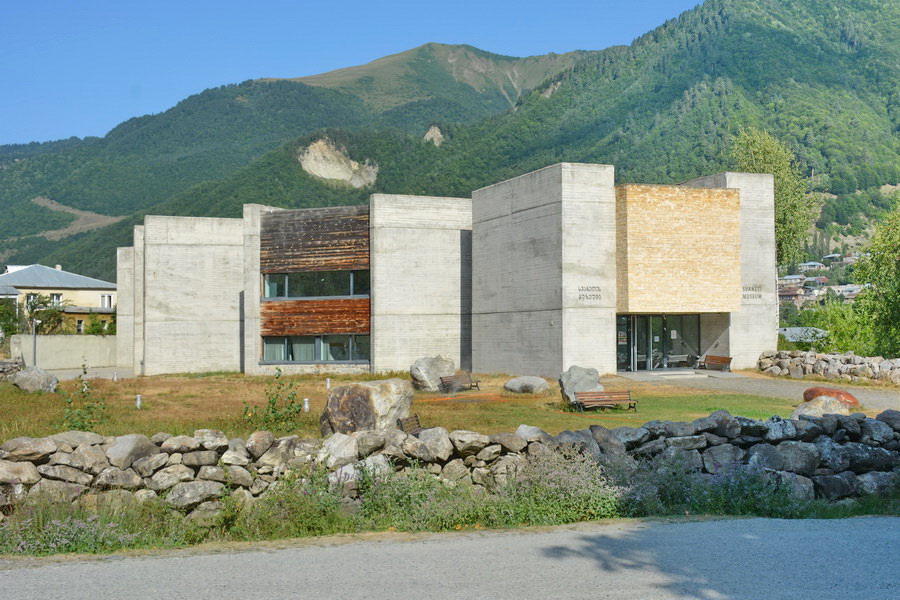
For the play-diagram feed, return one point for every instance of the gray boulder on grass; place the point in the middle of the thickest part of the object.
(368, 405)
(34, 379)
(426, 372)
(527, 384)
(578, 379)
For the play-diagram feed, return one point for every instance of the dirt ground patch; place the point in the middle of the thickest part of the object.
(85, 220)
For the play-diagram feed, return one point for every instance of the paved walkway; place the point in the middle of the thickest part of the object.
(746, 559)
(869, 397)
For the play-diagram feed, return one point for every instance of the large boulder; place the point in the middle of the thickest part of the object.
(578, 379)
(34, 379)
(526, 384)
(368, 405)
(820, 406)
(426, 372)
(845, 398)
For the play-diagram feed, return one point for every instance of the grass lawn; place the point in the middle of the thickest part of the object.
(181, 404)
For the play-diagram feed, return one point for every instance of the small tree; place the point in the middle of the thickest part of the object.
(880, 303)
(9, 320)
(754, 151)
(43, 314)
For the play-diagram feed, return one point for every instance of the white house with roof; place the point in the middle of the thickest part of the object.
(80, 298)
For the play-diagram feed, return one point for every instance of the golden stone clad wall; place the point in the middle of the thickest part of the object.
(677, 250)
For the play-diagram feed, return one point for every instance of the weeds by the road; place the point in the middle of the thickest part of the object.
(549, 489)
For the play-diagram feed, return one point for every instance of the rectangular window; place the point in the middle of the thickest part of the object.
(55, 299)
(79, 326)
(316, 349)
(106, 301)
(275, 286)
(316, 284)
(334, 347)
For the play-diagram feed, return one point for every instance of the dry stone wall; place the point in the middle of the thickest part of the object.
(831, 457)
(838, 367)
(10, 367)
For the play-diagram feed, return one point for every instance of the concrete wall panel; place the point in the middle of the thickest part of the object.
(193, 279)
(421, 280)
(125, 308)
(754, 327)
(66, 351)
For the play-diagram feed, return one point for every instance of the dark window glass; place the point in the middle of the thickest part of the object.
(360, 283)
(274, 286)
(335, 347)
(319, 283)
(274, 349)
(361, 347)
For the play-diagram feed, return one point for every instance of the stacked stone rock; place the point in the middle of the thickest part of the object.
(838, 367)
(831, 456)
(9, 367)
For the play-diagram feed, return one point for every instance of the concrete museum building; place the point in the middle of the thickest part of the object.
(554, 268)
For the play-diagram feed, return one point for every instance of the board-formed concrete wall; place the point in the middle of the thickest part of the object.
(66, 351)
(543, 264)
(421, 280)
(588, 267)
(193, 276)
(754, 327)
(125, 309)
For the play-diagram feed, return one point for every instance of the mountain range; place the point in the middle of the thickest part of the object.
(821, 75)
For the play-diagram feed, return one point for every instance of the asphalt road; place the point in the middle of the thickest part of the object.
(741, 559)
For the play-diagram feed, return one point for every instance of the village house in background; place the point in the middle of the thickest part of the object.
(79, 298)
(554, 268)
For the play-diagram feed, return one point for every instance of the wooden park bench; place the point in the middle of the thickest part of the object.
(586, 400)
(460, 381)
(410, 425)
(717, 363)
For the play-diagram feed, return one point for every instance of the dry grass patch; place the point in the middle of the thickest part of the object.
(179, 404)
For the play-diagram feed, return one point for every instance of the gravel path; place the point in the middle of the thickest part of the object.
(711, 560)
(876, 398)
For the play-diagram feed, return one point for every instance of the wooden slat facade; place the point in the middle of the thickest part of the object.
(319, 239)
(314, 317)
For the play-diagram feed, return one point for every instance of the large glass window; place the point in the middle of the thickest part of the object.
(314, 284)
(315, 349)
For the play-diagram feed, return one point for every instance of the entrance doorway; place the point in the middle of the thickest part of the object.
(650, 342)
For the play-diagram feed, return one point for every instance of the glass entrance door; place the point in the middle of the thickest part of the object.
(648, 342)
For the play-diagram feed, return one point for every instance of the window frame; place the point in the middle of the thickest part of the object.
(285, 285)
(317, 351)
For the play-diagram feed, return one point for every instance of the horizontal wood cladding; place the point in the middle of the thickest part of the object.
(315, 239)
(313, 317)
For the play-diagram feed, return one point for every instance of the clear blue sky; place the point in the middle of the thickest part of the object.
(79, 67)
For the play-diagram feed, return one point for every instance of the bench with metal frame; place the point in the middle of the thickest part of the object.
(601, 400)
(715, 363)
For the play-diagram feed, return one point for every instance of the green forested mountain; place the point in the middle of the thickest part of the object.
(822, 75)
(145, 160)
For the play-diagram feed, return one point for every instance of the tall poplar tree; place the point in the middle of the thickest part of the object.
(755, 151)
